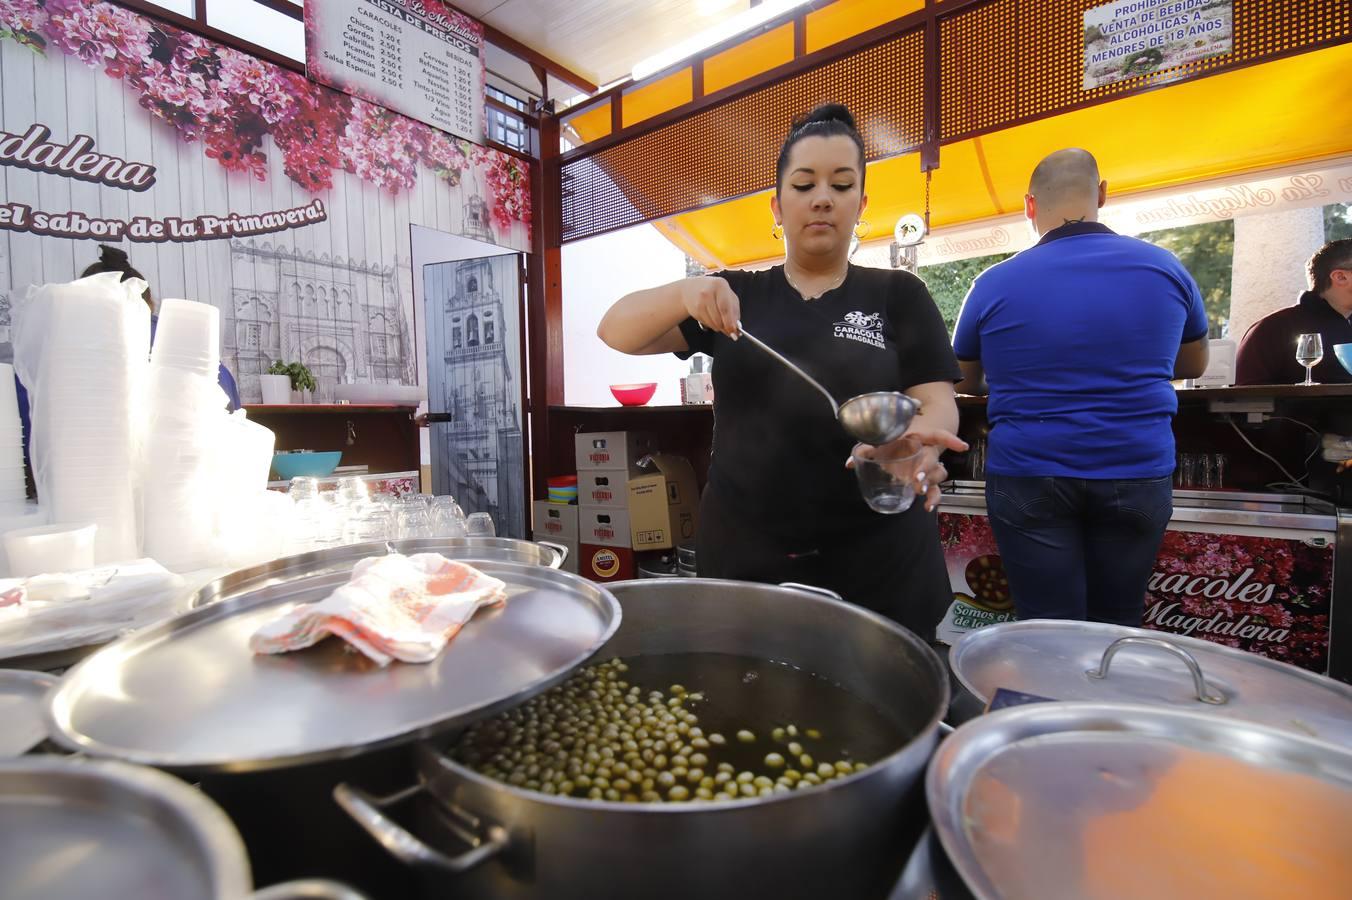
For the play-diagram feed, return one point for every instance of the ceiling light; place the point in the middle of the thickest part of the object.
(730, 27)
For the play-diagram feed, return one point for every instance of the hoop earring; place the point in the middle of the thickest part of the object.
(777, 231)
(856, 229)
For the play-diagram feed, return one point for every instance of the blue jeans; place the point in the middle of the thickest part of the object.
(1075, 548)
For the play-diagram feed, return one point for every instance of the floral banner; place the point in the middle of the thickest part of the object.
(229, 102)
(1267, 595)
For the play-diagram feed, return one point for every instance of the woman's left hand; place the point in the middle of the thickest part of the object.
(929, 471)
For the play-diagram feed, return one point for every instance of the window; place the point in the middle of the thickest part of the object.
(252, 338)
(309, 300)
(258, 24)
(323, 302)
(380, 346)
(481, 403)
(472, 326)
(472, 286)
(488, 328)
(457, 334)
(504, 127)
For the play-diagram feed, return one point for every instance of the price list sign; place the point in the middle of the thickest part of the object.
(420, 58)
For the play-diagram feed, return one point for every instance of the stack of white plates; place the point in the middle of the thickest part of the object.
(13, 488)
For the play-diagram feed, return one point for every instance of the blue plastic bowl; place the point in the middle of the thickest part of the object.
(300, 465)
(1344, 354)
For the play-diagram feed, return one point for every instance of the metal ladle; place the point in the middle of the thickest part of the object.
(874, 418)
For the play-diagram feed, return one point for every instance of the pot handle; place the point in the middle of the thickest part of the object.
(812, 589)
(561, 553)
(308, 889)
(1198, 681)
(365, 810)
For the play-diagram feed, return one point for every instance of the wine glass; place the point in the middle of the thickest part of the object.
(1309, 353)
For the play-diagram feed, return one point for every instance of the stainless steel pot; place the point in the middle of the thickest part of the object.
(342, 559)
(1103, 800)
(839, 841)
(73, 829)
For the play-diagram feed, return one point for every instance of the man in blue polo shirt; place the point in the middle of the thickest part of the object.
(1078, 338)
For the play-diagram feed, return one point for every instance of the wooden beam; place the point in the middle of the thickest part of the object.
(281, 6)
(544, 298)
(930, 96)
(495, 103)
(534, 57)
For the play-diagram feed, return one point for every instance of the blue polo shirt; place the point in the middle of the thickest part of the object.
(1078, 336)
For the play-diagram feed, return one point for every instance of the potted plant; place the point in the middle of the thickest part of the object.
(281, 379)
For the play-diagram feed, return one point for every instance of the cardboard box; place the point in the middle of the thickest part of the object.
(557, 523)
(611, 450)
(603, 488)
(663, 503)
(603, 526)
(606, 563)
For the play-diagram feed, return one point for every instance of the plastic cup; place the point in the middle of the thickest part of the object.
(887, 478)
(187, 327)
(50, 548)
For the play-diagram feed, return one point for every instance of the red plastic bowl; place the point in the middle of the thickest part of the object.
(634, 394)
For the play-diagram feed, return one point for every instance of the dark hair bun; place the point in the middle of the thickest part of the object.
(829, 112)
(113, 256)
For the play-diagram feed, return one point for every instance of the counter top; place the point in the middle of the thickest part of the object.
(1243, 392)
(1252, 510)
(320, 408)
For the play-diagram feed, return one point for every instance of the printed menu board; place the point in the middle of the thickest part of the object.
(420, 58)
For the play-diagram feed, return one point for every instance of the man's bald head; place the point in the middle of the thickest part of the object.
(1065, 187)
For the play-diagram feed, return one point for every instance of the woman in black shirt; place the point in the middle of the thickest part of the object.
(780, 504)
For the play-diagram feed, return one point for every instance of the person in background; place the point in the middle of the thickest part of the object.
(780, 505)
(111, 259)
(1078, 338)
(1267, 355)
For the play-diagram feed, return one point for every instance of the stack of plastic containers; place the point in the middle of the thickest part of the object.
(13, 489)
(81, 350)
(186, 414)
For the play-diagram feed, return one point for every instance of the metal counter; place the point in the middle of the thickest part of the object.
(1288, 511)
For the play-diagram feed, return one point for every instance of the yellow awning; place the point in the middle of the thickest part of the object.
(1280, 113)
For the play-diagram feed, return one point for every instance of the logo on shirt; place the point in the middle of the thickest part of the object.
(866, 328)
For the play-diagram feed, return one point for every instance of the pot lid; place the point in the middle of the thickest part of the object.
(188, 694)
(1062, 660)
(93, 829)
(1105, 801)
(21, 710)
(333, 560)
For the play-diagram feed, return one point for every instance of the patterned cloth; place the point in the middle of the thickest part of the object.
(394, 607)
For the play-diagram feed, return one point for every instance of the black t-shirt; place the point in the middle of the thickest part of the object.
(779, 453)
(1267, 355)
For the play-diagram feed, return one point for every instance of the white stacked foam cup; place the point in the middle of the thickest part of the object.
(181, 488)
(82, 351)
(13, 488)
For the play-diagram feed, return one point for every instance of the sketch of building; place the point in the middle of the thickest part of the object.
(343, 318)
(473, 328)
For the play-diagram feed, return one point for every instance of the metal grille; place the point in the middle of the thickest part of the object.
(730, 150)
(1011, 60)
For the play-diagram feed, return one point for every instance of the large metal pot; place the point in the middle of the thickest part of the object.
(75, 829)
(841, 841)
(1102, 801)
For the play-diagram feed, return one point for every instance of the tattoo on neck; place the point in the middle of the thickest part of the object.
(1078, 221)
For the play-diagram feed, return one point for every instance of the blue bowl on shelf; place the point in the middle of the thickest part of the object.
(305, 464)
(1344, 354)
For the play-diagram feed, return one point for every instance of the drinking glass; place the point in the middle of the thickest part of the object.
(1309, 353)
(887, 476)
(369, 523)
(480, 524)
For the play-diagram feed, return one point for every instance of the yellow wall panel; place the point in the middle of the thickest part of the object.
(761, 53)
(846, 18)
(658, 97)
(1246, 120)
(592, 123)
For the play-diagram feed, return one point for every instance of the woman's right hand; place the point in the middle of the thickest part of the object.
(711, 302)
